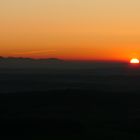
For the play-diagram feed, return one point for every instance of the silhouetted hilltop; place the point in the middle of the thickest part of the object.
(20, 62)
(29, 59)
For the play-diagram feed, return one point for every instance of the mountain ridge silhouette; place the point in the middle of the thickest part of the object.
(28, 58)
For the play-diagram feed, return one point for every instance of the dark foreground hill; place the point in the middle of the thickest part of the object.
(99, 101)
(71, 113)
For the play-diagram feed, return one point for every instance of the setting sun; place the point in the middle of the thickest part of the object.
(134, 61)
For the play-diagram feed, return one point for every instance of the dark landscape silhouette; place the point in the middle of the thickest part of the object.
(52, 97)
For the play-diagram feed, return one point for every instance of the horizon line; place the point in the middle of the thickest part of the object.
(72, 60)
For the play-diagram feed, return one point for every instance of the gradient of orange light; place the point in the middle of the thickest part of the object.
(68, 45)
(99, 36)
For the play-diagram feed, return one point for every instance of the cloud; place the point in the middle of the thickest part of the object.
(34, 52)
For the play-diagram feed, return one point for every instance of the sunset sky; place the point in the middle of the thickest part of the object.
(70, 29)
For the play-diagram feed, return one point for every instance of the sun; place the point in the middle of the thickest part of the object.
(134, 61)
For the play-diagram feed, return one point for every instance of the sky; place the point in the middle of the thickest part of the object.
(70, 29)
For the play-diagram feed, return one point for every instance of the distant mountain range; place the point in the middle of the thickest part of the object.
(20, 62)
(29, 59)
(55, 63)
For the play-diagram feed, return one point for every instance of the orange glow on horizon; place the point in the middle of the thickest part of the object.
(83, 55)
(70, 30)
